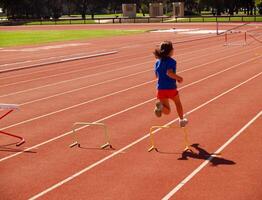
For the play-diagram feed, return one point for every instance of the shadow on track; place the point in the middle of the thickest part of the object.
(202, 154)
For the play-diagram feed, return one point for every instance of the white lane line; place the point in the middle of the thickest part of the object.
(124, 90)
(67, 133)
(52, 58)
(114, 63)
(69, 72)
(23, 62)
(192, 52)
(85, 87)
(133, 143)
(105, 72)
(187, 54)
(55, 62)
(88, 56)
(59, 46)
(78, 89)
(82, 70)
(198, 169)
(74, 79)
(107, 81)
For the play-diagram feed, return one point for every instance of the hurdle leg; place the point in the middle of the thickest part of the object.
(74, 143)
(7, 113)
(245, 38)
(152, 137)
(187, 148)
(22, 140)
(226, 39)
(152, 141)
(107, 141)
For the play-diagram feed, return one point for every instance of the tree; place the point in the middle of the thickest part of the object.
(230, 6)
(260, 8)
(143, 6)
(218, 6)
(32, 8)
(55, 7)
(15, 8)
(191, 5)
(248, 6)
(90, 6)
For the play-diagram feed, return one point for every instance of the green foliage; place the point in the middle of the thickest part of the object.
(56, 8)
(260, 8)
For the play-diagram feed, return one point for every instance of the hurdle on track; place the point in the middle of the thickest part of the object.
(77, 124)
(10, 108)
(242, 43)
(153, 147)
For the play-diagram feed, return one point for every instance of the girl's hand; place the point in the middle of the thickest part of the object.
(179, 79)
(171, 74)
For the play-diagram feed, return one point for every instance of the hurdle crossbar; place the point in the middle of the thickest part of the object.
(9, 109)
(152, 142)
(226, 43)
(77, 124)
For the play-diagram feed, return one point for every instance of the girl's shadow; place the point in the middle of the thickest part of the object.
(204, 155)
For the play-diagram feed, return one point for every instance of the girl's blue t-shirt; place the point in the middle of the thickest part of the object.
(161, 67)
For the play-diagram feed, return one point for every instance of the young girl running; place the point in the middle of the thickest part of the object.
(165, 70)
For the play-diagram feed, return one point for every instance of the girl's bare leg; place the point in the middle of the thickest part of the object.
(166, 106)
(179, 106)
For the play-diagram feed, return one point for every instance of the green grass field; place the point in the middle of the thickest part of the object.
(61, 22)
(18, 38)
(76, 19)
(185, 19)
(219, 19)
(108, 15)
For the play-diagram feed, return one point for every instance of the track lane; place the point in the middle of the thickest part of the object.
(94, 92)
(224, 177)
(155, 172)
(85, 154)
(58, 157)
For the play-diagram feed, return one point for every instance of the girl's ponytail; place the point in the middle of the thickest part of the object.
(164, 50)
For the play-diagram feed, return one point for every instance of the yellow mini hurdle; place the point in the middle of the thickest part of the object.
(153, 147)
(77, 124)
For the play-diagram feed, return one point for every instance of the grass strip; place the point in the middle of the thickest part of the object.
(18, 38)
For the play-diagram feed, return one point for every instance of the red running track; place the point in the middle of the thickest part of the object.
(221, 93)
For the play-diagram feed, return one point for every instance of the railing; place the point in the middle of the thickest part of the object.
(242, 18)
(84, 21)
(162, 19)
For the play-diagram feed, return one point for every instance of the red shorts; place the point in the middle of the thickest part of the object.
(167, 94)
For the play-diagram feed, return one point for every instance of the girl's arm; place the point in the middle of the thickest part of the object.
(173, 75)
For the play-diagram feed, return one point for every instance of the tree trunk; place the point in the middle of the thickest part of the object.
(231, 11)
(83, 15)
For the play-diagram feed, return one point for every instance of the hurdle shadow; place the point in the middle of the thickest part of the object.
(7, 148)
(167, 152)
(203, 154)
(96, 148)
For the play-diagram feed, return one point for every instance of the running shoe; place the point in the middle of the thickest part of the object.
(158, 109)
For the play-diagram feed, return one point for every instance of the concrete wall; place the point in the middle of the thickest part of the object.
(179, 9)
(155, 9)
(129, 10)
